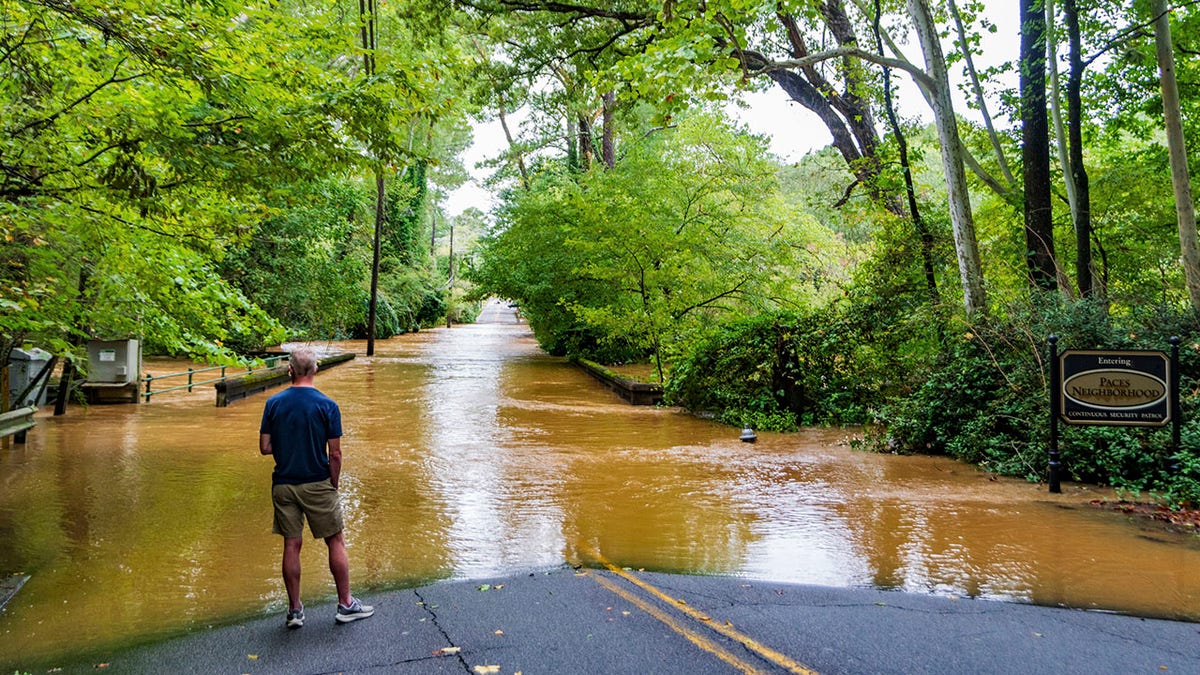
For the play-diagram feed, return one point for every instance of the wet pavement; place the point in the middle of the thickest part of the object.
(620, 621)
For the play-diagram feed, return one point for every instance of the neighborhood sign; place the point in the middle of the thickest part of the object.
(1127, 388)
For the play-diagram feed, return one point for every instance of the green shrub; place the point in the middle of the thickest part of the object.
(777, 371)
(986, 399)
(387, 323)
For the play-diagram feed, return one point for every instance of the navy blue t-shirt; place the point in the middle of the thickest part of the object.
(300, 420)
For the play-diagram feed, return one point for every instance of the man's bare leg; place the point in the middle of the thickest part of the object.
(291, 571)
(339, 567)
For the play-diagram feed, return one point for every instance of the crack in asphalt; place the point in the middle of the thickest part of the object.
(383, 666)
(434, 619)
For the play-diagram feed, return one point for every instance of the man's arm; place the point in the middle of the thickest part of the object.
(264, 444)
(335, 460)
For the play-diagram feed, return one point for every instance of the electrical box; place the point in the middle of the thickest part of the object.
(23, 366)
(114, 361)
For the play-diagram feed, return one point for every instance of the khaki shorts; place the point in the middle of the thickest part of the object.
(317, 501)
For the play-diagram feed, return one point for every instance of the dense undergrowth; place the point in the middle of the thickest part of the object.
(983, 397)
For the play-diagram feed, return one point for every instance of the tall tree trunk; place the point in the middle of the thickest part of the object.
(572, 142)
(433, 232)
(586, 149)
(1081, 214)
(608, 152)
(965, 244)
(1035, 141)
(1185, 208)
(1055, 98)
(450, 276)
(366, 15)
(380, 206)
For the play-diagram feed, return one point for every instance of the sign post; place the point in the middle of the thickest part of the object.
(1113, 388)
(1055, 386)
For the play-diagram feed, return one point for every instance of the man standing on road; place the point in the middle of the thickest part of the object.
(302, 429)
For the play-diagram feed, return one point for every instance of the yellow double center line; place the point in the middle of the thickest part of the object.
(775, 657)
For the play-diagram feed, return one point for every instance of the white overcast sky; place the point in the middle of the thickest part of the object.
(793, 130)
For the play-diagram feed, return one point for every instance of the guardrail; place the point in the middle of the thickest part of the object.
(16, 422)
(236, 388)
(271, 364)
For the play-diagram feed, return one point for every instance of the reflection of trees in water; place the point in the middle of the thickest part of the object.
(636, 510)
(921, 527)
(396, 526)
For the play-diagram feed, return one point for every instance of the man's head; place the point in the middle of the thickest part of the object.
(302, 363)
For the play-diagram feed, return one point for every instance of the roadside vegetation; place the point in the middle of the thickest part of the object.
(216, 177)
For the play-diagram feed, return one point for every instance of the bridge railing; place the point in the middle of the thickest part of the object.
(191, 373)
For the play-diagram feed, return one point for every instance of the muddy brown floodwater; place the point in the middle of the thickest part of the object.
(471, 453)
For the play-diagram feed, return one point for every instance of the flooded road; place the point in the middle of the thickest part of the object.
(471, 453)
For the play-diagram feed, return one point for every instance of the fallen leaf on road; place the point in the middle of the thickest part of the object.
(447, 650)
(486, 670)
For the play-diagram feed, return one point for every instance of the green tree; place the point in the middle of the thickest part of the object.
(689, 227)
(140, 132)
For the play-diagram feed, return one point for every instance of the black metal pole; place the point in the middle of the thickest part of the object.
(1175, 407)
(1055, 386)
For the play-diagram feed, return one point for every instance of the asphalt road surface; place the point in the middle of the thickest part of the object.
(620, 621)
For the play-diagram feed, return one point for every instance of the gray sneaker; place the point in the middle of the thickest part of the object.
(295, 618)
(354, 612)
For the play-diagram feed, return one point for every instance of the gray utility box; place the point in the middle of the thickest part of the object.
(23, 366)
(114, 361)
